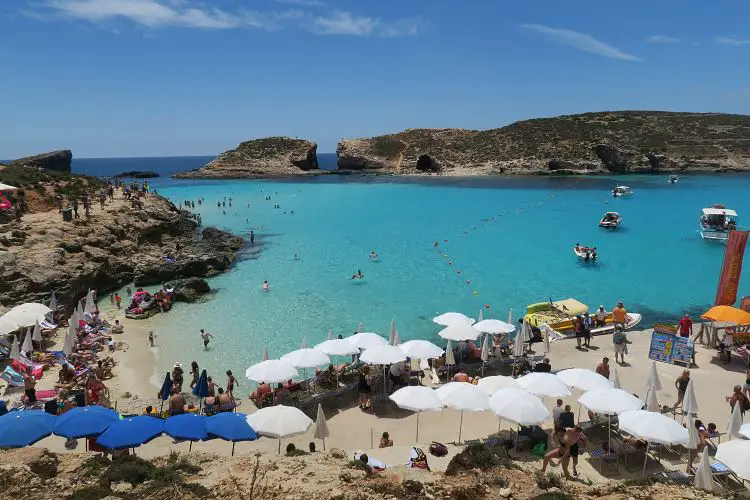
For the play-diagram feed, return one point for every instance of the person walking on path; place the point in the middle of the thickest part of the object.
(681, 385)
(205, 336)
(151, 337)
(620, 342)
(686, 326)
(619, 314)
(588, 325)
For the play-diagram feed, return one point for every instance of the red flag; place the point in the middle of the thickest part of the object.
(729, 281)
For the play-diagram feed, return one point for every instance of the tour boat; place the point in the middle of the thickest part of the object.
(610, 220)
(673, 179)
(585, 253)
(559, 316)
(618, 191)
(716, 222)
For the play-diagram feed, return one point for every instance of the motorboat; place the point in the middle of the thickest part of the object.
(618, 191)
(559, 316)
(610, 220)
(585, 253)
(716, 222)
(673, 179)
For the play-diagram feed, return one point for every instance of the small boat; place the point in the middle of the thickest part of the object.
(673, 179)
(618, 191)
(716, 222)
(559, 316)
(610, 220)
(585, 253)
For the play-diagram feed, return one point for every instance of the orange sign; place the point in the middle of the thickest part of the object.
(726, 295)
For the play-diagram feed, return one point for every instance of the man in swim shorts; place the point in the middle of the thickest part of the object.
(205, 336)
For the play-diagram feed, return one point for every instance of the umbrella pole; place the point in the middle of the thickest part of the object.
(324, 444)
(645, 459)
(460, 426)
(417, 439)
(279, 446)
(190, 448)
(232, 448)
(579, 412)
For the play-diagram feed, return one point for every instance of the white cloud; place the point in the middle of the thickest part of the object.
(580, 41)
(346, 23)
(732, 40)
(663, 39)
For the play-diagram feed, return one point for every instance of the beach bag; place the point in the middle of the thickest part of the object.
(438, 449)
(539, 449)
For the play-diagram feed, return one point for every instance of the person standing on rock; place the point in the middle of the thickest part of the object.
(75, 209)
(252, 237)
(205, 336)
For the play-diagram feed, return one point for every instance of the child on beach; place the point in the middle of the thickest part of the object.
(151, 338)
(118, 300)
(231, 381)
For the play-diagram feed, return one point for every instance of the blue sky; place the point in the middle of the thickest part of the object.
(196, 77)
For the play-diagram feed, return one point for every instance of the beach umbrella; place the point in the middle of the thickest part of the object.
(453, 318)
(450, 359)
(484, 354)
(727, 314)
(131, 432)
(14, 352)
(421, 349)
(24, 428)
(651, 402)
(68, 343)
(518, 406)
(53, 302)
(583, 379)
(396, 339)
(480, 317)
(464, 397)
(693, 439)
(547, 331)
(735, 422)
(518, 346)
(615, 379)
(36, 336)
(186, 427)
(27, 346)
(321, 426)
(265, 354)
(391, 333)
(200, 389)
(417, 399)
(8, 325)
(491, 385)
(543, 384)
(359, 327)
(279, 422)
(459, 332)
(510, 316)
(367, 340)
(745, 431)
(653, 381)
(734, 455)
(337, 347)
(90, 307)
(610, 401)
(653, 428)
(272, 370)
(230, 426)
(84, 421)
(306, 358)
(304, 342)
(330, 334)
(165, 391)
(690, 402)
(383, 355)
(704, 480)
(494, 326)
(26, 314)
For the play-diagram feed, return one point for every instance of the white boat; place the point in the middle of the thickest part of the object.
(716, 222)
(585, 253)
(673, 179)
(610, 220)
(618, 191)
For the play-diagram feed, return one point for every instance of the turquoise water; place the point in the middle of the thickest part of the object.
(510, 238)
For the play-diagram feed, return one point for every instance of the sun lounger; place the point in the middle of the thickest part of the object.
(520, 441)
(724, 476)
(467, 442)
(12, 377)
(603, 456)
(675, 476)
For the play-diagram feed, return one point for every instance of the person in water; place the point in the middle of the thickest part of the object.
(265, 286)
(358, 275)
(373, 255)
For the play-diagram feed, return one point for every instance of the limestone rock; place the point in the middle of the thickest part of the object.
(190, 290)
(56, 160)
(268, 157)
(591, 143)
(136, 174)
(119, 488)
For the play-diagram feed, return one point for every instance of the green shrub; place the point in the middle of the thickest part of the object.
(479, 456)
(90, 493)
(547, 480)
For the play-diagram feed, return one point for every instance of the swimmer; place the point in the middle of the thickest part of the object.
(373, 255)
(358, 275)
(265, 286)
(296, 257)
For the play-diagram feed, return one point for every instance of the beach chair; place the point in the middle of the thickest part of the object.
(12, 377)
(724, 477)
(520, 442)
(493, 441)
(467, 442)
(603, 456)
(676, 477)
(380, 404)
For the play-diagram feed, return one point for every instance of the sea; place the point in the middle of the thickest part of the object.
(471, 245)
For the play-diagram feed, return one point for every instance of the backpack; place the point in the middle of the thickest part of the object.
(438, 449)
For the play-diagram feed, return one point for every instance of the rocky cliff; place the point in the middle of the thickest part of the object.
(115, 246)
(56, 160)
(269, 157)
(591, 143)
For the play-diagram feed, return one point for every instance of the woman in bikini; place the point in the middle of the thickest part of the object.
(562, 452)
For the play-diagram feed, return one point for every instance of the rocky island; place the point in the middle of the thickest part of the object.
(269, 157)
(591, 143)
(136, 174)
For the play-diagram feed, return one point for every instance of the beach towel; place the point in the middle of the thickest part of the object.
(20, 367)
(5, 204)
(46, 325)
(12, 377)
(46, 394)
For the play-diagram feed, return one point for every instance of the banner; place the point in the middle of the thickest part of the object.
(729, 281)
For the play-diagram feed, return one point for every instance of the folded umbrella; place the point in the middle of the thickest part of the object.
(84, 421)
(131, 432)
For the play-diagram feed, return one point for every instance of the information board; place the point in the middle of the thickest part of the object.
(683, 350)
(662, 346)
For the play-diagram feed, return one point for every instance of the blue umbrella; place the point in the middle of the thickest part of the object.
(24, 428)
(84, 421)
(230, 426)
(165, 391)
(188, 427)
(201, 388)
(131, 432)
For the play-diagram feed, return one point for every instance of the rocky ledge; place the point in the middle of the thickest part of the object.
(113, 247)
(136, 174)
(591, 143)
(269, 157)
(59, 161)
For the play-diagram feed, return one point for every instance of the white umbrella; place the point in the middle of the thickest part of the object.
(90, 307)
(396, 339)
(14, 353)
(321, 426)
(306, 358)
(7, 325)
(383, 355)
(459, 332)
(615, 379)
(654, 428)
(651, 402)
(543, 384)
(304, 342)
(68, 343)
(690, 402)
(279, 422)
(53, 302)
(26, 314)
(734, 455)
(745, 431)
(421, 349)
(366, 340)
(653, 381)
(523, 333)
(417, 398)
(481, 316)
(494, 326)
(37, 335)
(391, 333)
(491, 385)
(518, 406)
(450, 359)
(735, 422)
(610, 401)
(693, 438)
(704, 480)
(265, 354)
(453, 318)
(583, 379)
(337, 347)
(484, 354)
(465, 397)
(27, 346)
(510, 316)
(359, 327)
(271, 370)
(330, 334)
(547, 331)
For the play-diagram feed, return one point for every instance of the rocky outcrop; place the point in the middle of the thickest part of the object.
(269, 157)
(136, 174)
(59, 161)
(189, 290)
(591, 143)
(110, 249)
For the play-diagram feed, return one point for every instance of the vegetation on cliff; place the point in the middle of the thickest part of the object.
(59, 161)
